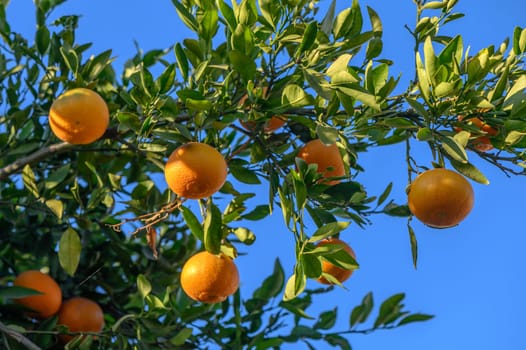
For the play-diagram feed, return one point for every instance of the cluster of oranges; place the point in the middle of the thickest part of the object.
(439, 197)
(78, 314)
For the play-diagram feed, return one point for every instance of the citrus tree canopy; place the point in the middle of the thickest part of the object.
(126, 192)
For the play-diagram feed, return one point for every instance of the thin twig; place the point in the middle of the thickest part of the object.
(18, 337)
(150, 219)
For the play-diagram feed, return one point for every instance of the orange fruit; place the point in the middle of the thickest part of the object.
(79, 116)
(195, 170)
(337, 272)
(80, 315)
(328, 158)
(209, 278)
(481, 143)
(440, 198)
(269, 126)
(46, 304)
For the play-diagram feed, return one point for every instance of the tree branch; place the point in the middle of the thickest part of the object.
(34, 157)
(18, 337)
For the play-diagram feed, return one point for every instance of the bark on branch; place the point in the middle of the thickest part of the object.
(18, 337)
(34, 157)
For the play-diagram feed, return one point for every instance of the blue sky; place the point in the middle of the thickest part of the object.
(471, 276)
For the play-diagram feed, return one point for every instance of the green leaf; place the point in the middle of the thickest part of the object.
(453, 149)
(374, 48)
(423, 81)
(245, 235)
(69, 251)
(522, 41)
(268, 343)
(399, 123)
(187, 18)
(515, 99)
(393, 209)
(243, 64)
(360, 313)
(143, 285)
(166, 80)
(300, 191)
(71, 59)
(182, 61)
(273, 284)
(326, 320)
(56, 177)
(385, 194)
(341, 64)
(391, 306)
(414, 244)
(418, 107)
(434, 5)
(470, 171)
(338, 340)
(258, 213)
(95, 65)
(296, 283)
(327, 22)
(94, 171)
(451, 54)
(343, 23)
(327, 134)
(327, 230)
(514, 137)
(296, 310)
(180, 338)
(309, 37)
(243, 174)
(228, 15)
(286, 206)
(445, 89)
(415, 318)
(213, 233)
(193, 223)
(375, 21)
(340, 257)
(424, 134)
(15, 292)
(462, 138)
(294, 96)
(198, 105)
(42, 39)
(242, 40)
(208, 24)
(500, 87)
(430, 58)
(305, 332)
(28, 178)
(360, 94)
(56, 206)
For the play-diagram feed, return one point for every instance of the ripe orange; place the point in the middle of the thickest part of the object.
(195, 170)
(209, 278)
(481, 143)
(80, 315)
(440, 198)
(328, 158)
(269, 126)
(45, 304)
(79, 116)
(339, 273)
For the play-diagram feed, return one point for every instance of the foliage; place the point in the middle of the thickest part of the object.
(65, 208)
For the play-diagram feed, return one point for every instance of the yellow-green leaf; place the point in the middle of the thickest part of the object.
(69, 251)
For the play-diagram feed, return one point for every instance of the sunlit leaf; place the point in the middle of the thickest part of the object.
(69, 251)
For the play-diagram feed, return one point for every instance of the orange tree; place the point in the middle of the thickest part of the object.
(101, 221)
